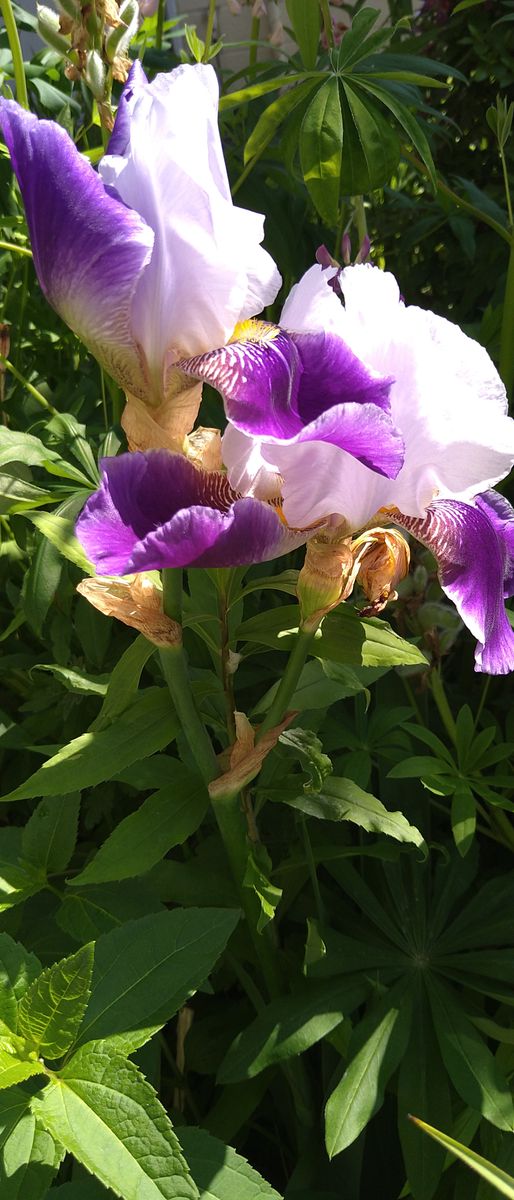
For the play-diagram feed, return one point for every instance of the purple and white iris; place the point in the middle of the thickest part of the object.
(147, 260)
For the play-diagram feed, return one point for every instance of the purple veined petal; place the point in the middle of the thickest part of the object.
(471, 556)
(89, 249)
(501, 515)
(208, 270)
(156, 510)
(282, 389)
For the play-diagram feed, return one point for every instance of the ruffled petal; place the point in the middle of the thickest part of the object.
(472, 560)
(89, 249)
(208, 270)
(156, 510)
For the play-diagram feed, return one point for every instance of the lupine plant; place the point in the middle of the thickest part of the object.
(255, 882)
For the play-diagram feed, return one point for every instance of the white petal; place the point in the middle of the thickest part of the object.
(248, 471)
(208, 270)
(312, 306)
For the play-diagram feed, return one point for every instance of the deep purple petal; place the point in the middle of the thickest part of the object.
(472, 559)
(89, 249)
(501, 516)
(156, 510)
(304, 387)
(120, 136)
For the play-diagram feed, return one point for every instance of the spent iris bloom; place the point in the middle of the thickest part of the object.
(147, 260)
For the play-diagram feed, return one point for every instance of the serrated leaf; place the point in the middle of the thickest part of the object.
(219, 1172)
(51, 1011)
(344, 800)
(105, 1113)
(16, 1070)
(29, 1161)
(147, 725)
(305, 18)
(51, 832)
(146, 970)
(376, 1048)
(290, 1025)
(474, 1073)
(321, 147)
(18, 880)
(18, 968)
(13, 1105)
(498, 1179)
(124, 682)
(164, 820)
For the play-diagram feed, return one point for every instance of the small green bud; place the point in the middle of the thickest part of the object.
(95, 74)
(48, 24)
(119, 38)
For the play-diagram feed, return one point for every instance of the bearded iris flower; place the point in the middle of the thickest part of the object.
(147, 260)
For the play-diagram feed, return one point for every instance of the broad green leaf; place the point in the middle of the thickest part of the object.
(88, 912)
(18, 968)
(376, 1048)
(379, 147)
(344, 637)
(485, 920)
(146, 970)
(13, 1105)
(25, 448)
(51, 832)
(147, 725)
(104, 1112)
(305, 18)
(51, 1011)
(321, 144)
(256, 90)
(463, 817)
(343, 800)
(355, 37)
(18, 493)
(265, 129)
(164, 820)
(422, 1088)
(257, 877)
(124, 682)
(290, 1025)
(75, 681)
(315, 689)
(60, 531)
(67, 431)
(41, 582)
(417, 766)
(29, 1161)
(219, 1172)
(474, 1073)
(15, 1070)
(84, 1189)
(499, 1180)
(18, 880)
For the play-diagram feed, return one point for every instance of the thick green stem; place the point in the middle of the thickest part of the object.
(254, 38)
(506, 364)
(444, 710)
(174, 666)
(159, 28)
(16, 52)
(287, 685)
(211, 16)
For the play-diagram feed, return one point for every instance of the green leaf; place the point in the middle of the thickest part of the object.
(343, 800)
(417, 766)
(65, 429)
(308, 749)
(503, 1183)
(315, 689)
(146, 970)
(18, 968)
(147, 725)
(290, 1025)
(75, 681)
(51, 1011)
(25, 448)
(256, 90)
(474, 1073)
(376, 1048)
(105, 1113)
(321, 143)
(219, 1172)
(41, 583)
(423, 1089)
(464, 817)
(124, 682)
(375, 156)
(404, 118)
(305, 18)
(164, 820)
(18, 880)
(18, 493)
(265, 129)
(15, 1070)
(29, 1161)
(257, 877)
(86, 913)
(353, 41)
(344, 637)
(51, 832)
(60, 531)
(13, 1106)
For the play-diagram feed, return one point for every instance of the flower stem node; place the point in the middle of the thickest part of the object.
(245, 758)
(383, 559)
(136, 601)
(327, 576)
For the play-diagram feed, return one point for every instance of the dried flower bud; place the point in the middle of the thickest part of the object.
(327, 575)
(245, 759)
(136, 601)
(383, 559)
